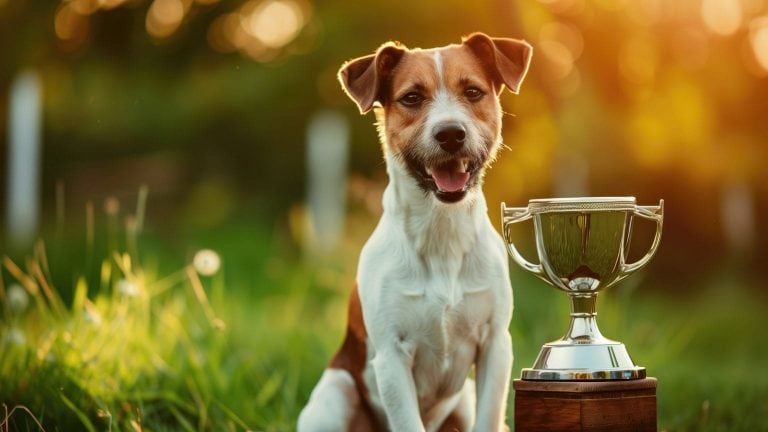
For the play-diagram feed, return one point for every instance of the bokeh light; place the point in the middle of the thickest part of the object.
(165, 16)
(723, 17)
(259, 29)
(758, 37)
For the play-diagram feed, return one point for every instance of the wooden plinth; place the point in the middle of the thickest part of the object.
(593, 406)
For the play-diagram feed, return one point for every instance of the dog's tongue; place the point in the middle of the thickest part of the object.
(449, 177)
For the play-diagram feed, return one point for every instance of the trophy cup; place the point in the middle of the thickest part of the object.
(582, 246)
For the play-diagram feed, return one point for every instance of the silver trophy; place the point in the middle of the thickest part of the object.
(582, 245)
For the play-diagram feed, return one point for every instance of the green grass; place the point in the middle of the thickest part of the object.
(126, 336)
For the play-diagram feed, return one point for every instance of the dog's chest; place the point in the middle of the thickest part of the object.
(446, 339)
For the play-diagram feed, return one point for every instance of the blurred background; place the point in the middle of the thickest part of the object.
(210, 103)
(220, 123)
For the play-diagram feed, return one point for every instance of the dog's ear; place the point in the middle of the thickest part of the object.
(364, 78)
(507, 60)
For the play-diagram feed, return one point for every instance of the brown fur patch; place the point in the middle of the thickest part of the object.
(352, 357)
(452, 424)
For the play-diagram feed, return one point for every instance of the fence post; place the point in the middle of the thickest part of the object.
(23, 182)
(327, 155)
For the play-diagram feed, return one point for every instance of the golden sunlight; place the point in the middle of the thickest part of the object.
(275, 22)
(259, 29)
(165, 16)
(638, 61)
(70, 25)
(758, 37)
(85, 7)
(722, 16)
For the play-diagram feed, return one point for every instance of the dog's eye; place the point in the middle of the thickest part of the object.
(474, 94)
(411, 99)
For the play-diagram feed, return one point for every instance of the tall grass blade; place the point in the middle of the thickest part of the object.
(269, 389)
(185, 424)
(57, 305)
(25, 280)
(81, 293)
(60, 208)
(5, 425)
(141, 208)
(78, 412)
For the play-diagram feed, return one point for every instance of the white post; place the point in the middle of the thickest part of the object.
(24, 125)
(327, 154)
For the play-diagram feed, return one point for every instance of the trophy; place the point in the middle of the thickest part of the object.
(582, 246)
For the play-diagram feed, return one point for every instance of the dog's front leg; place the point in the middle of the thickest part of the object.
(493, 371)
(392, 367)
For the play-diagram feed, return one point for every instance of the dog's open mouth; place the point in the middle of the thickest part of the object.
(448, 179)
(451, 176)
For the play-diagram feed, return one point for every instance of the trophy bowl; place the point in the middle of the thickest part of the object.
(582, 246)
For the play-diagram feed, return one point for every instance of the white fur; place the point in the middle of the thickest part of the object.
(435, 292)
(434, 286)
(331, 404)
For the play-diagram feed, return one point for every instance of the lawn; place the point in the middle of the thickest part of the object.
(126, 332)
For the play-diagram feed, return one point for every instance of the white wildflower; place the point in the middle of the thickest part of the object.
(18, 299)
(127, 288)
(206, 262)
(92, 316)
(16, 336)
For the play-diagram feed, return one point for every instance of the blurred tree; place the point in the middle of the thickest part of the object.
(207, 101)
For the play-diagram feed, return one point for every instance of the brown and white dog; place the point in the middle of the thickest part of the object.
(433, 296)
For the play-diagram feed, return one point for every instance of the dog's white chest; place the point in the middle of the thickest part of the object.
(446, 343)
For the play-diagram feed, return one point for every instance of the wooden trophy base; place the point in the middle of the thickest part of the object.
(593, 406)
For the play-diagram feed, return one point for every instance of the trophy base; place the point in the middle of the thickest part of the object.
(568, 361)
(593, 406)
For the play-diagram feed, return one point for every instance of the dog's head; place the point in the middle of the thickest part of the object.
(438, 110)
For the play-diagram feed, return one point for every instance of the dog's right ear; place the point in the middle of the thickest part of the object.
(364, 78)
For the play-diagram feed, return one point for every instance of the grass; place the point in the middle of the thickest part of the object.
(126, 334)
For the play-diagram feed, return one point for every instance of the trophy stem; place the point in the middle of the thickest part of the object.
(583, 328)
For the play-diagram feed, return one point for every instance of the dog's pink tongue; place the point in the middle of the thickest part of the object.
(449, 178)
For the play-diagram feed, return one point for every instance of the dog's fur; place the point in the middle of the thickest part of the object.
(433, 296)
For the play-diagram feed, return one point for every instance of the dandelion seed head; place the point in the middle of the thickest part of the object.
(206, 262)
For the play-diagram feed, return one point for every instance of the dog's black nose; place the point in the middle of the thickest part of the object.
(450, 136)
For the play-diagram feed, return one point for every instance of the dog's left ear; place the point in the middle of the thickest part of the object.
(507, 60)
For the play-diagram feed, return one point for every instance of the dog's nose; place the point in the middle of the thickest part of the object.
(450, 136)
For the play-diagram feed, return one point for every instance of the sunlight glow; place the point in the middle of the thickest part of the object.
(69, 24)
(637, 61)
(110, 4)
(85, 7)
(722, 17)
(275, 22)
(691, 47)
(259, 29)
(165, 16)
(560, 59)
(758, 37)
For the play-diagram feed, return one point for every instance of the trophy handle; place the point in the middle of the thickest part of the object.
(510, 215)
(654, 213)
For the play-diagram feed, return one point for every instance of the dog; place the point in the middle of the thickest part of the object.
(433, 296)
